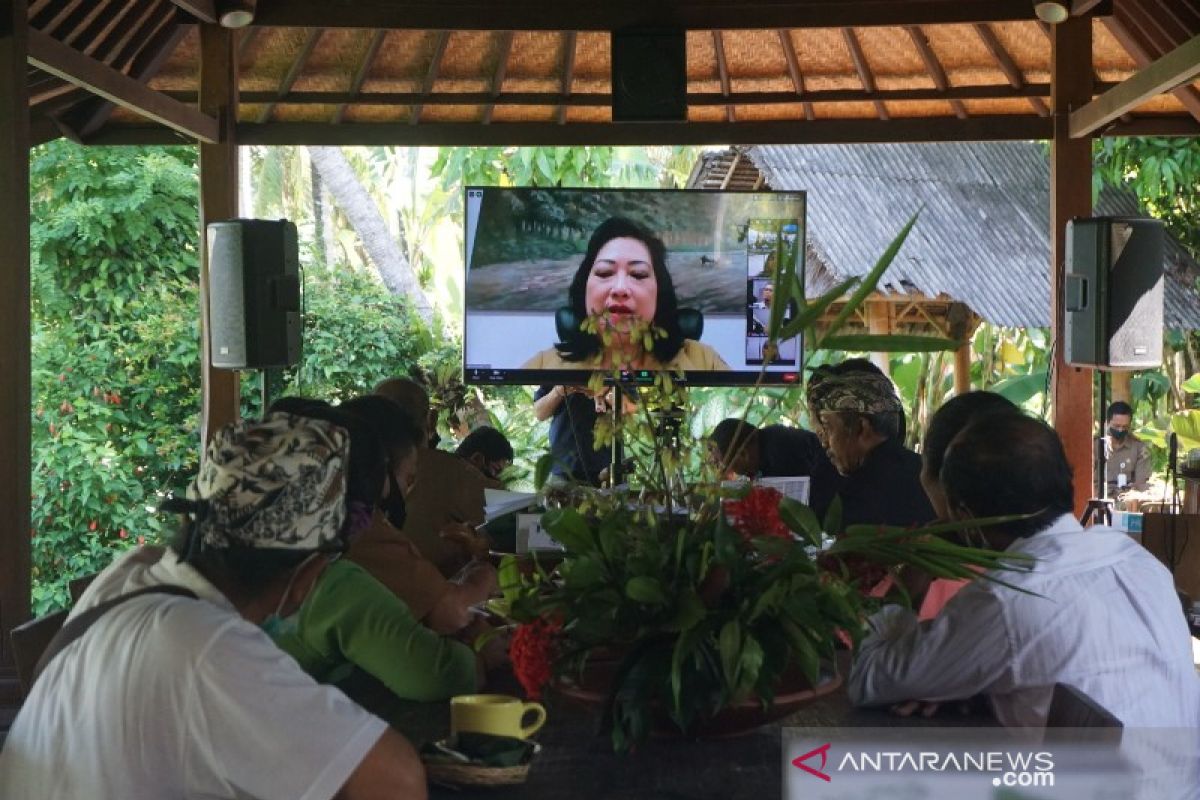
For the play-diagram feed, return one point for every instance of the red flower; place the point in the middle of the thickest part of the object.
(532, 654)
(757, 514)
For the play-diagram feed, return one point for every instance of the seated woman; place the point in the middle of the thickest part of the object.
(350, 620)
(624, 285)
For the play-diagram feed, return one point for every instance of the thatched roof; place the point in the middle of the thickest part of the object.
(471, 72)
(983, 237)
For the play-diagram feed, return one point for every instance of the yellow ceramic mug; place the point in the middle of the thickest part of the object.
(496, 714)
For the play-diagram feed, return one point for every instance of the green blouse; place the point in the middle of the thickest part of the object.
(349, 619)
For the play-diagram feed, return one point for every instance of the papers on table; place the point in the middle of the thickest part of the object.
(498, 502)
(795, 487)
(531, 536)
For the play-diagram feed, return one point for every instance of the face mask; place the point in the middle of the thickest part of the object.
(1116, 434)
(276, 625)
(393, 506)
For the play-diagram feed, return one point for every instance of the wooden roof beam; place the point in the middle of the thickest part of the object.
(102, 29)
(293, 73)
(145, 65)
(134, 34)
(506, 43)
(1188, 95)
(203, 10)
(592, 99)
(1180, 66)
(435, 64)
(553, 15)
(793, 65)
(52, 20)
(723, 72)
(568, 73)
(864, 70)
(58, 59)
(1008, 66)
(360, 74)
(934, 67)
(81, 19)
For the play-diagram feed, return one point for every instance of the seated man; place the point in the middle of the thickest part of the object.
(489, 451)
(1096, 610)
(854, 410)
(448, 493)
(175, 691)
(775, 451)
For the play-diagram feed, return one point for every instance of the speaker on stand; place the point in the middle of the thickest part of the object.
(254, 309)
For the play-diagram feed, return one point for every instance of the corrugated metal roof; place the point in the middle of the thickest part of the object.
(983, 235)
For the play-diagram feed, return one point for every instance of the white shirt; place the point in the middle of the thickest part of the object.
(1107, 622)
(169, 697)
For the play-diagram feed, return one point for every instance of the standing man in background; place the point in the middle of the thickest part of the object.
(1126, 457)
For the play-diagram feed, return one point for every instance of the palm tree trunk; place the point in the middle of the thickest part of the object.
(364, 216)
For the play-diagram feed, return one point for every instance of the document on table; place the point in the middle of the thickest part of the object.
(795, 487)
(498, 502)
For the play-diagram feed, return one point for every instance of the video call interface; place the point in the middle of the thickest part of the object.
(724, 251)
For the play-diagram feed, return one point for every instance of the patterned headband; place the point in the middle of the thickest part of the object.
(278, 483)
(861, 392)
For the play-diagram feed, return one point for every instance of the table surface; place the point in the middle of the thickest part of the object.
(577, 760)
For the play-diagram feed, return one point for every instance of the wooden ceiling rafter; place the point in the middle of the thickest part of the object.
(144, 65)
(56, 58)
(506, 43)
(793, 65)
(934, 67)
(1187, 95)
(101, 31)
(361, 73)
(203, 10)
(435, 65)
(245, 42)
(594, 99)
(568, 76)
(54, 18)
(293, 72)
(1178, 67)
(554, 15)
(1170, 29)
(723, 72)
(1007, 65)
(121, 52)
(864, 70)
(36, 7)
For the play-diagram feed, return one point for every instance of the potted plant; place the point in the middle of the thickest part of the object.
(703, 608)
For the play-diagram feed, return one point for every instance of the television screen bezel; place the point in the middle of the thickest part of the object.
(579, 377)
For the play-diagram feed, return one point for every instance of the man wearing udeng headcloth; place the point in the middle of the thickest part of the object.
(174, 690)
(854, 409)
(624, 284)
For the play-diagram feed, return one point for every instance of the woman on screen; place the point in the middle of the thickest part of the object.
(623, 284)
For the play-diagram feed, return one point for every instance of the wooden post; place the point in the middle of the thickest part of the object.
(1121, 386)
(879, 320)
(220, 394)
(1070, 196)
(962, 368)
(14, 331)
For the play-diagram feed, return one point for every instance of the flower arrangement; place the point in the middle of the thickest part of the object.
(702, 597)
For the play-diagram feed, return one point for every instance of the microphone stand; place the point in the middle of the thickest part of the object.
(1173, 506)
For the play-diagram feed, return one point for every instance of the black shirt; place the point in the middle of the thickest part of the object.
(784, 452)
(886, 489)
(572, 445)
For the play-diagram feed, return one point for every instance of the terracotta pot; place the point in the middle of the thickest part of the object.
(794, 690)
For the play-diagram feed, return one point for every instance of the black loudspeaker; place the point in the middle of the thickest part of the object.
(1114, 292)
(254, 294)
(649, 75)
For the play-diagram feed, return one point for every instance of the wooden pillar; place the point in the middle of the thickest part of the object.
(1070, 196)
(218, 201)
(879, 321)
(14, 330)
(962, 368)
(1120, 386)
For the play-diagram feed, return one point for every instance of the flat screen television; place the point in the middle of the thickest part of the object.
(525, 246)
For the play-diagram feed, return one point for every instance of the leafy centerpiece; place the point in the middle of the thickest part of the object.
(678, 603)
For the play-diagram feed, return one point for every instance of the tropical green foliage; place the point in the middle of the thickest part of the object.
(115, 351)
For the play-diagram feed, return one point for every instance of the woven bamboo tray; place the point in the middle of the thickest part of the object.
(475, 774)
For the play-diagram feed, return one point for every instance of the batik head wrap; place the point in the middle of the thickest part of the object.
(861, 392)
(276, 483)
